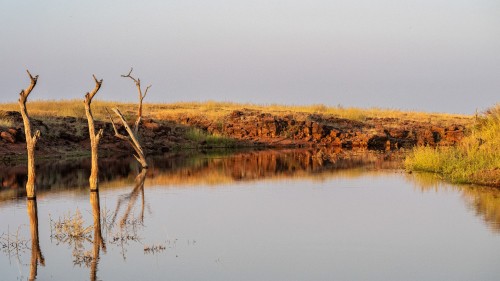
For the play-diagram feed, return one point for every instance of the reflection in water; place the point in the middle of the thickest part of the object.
(72, 229)
(98, 240)
(114, 232)
(215, 169)
(36, 252)
(484, 201)
(129, 225)
(192, 169)
(132, 197)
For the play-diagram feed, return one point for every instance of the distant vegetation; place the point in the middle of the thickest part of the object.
(475, 160)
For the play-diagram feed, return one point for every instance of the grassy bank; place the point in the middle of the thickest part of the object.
(217, 110)
(475, 160)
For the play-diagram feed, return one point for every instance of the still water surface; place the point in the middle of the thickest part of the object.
(267, 215)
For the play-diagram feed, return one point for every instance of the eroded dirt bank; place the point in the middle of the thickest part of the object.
(317, 129)
(245, 128)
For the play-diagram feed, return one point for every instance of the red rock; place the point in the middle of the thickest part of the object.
(8, 137)
(316, 137)
(13, 131)
(337, 142)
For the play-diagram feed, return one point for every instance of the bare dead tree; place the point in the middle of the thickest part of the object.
(31, 139)
(131, 138)
(94, 138)
(141, 98)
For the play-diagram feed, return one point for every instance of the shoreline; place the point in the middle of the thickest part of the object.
(181, 127)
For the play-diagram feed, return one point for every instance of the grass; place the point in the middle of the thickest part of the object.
(475, 160)
(200, 136)
(4, 122)
(70, 227)
(217, 110)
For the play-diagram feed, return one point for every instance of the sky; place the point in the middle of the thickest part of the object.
(425, 55)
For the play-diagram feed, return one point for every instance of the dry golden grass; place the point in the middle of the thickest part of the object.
(217, 110)
(4, 122)
(475, 160)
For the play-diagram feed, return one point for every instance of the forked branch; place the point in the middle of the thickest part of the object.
(90, 96)
(23, 98)
(137, 82)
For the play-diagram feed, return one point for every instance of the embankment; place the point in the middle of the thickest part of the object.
(163, 131)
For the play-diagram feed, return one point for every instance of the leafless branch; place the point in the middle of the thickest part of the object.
(146, 92)
(90, 96)
(117, 134)
(137, 81)
(131, 138)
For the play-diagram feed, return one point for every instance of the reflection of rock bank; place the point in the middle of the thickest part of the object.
(184, 169)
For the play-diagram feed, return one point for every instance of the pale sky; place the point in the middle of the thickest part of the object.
(430, 55)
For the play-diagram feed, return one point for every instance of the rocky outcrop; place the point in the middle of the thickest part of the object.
(374, 133)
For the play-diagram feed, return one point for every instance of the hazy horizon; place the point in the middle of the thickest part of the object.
(439, 56)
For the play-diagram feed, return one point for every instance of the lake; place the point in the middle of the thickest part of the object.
(248, 215)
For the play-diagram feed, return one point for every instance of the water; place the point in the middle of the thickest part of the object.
(262, 215)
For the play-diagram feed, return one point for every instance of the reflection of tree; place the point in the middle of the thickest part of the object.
(98, 240)
(72, 230)
(128, 226)
(132, 198)
(36, 253)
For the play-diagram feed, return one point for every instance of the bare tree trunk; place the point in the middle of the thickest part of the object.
(98, 241)
(141, 98)
(94, 170)
(31, 140)
(36, 253)
(94, 138)
(131, 138)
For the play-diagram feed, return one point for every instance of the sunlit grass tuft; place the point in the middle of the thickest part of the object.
(200, 136)
(4, 122)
